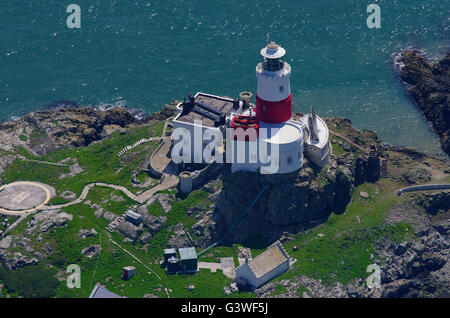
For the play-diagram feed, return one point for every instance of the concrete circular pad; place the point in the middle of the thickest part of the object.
(24, 196)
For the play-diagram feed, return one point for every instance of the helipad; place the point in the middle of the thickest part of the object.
(24, 196)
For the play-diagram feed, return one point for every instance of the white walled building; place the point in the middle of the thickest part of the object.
(266, 266)
(278, 142)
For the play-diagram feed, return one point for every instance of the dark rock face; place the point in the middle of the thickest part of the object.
(77, 127)
(129, 230)
(430, 89)
(434, 202)
(290, 202)
(299, 200)
(417, 176)
(66, 126)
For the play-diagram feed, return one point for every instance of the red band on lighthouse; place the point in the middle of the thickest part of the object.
(274, 112)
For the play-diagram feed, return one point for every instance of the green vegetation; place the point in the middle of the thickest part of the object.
(279, 289)
(156, 209)
(99, 161)
(30, 282)
(106, 267)
(340, 249)
(11, 220)
(337, 149)
(301, 290)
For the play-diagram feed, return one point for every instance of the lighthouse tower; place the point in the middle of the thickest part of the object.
(273, 97)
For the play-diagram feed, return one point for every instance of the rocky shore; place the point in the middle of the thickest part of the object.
(429, 86)
(291, 204)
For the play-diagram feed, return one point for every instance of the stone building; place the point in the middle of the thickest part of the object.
(256, 272)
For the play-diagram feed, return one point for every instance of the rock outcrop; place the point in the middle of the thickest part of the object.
(130, 230)
(430, 89)
(433, 202)
(44, 221)
(17, 251)
(290, 202)
(46, 130)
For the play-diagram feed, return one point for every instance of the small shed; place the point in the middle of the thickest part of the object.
(128, 272)
(258, 271)
(173, 265)
(188, 257)
(133, 217)
(168, 253)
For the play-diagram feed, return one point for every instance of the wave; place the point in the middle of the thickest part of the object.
(138, 114)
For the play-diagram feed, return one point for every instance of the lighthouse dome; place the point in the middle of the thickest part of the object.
(273, 51)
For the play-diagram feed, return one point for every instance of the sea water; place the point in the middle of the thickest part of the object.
(143, 54)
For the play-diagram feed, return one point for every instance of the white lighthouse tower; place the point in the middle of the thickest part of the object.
(273, 115)
(264, 137)
(273, 97)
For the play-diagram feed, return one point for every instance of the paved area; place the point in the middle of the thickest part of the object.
(227, 265)
(213, 267)
(23, 197)
(160, 159)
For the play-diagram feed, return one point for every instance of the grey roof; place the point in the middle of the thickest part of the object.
(133, 215)
(222, 104)
(170, 251)
(266, 262)
(187, 253)
(101, 292)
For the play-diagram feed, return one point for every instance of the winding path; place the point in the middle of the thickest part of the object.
(167, 182)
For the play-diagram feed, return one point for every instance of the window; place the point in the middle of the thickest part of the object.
(281, 89)
(289, 160)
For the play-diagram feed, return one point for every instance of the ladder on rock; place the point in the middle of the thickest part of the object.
(384, 167)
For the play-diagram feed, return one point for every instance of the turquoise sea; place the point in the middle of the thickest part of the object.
(143, 54)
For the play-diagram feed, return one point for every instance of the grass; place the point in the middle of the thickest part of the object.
(11, 220)
(337, 149)
(341, 252)
(107, 268)
(99, 161)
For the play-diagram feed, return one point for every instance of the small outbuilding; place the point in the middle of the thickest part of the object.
(168, 253)
(258, 271)
(133, 217)
(128, 272)
(173, 265)
(188, 257)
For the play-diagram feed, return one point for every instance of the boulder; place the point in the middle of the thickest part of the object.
(429, 87)
(91, 251)
(46, 220)
(153, 223)
(130, 230)
(145, 238)
(85, 233)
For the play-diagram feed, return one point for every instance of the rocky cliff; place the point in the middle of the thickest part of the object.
(430, 89)
(69, 126)
(298, 200)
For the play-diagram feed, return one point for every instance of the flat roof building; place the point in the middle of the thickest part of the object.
(128, 272)
(133, 217)
(188, 257)
(168, 253)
